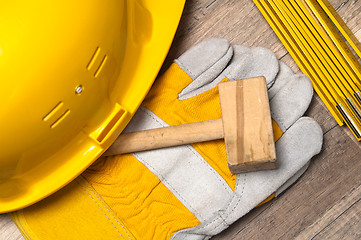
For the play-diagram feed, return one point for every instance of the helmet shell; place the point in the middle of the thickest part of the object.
(73, 73)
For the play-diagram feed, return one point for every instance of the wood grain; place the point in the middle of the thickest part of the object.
(8, 229)
(344, 214)
(167, 137)
(247, 125)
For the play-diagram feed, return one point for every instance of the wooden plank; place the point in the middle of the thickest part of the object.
(238, 21)
(347, 225)
(339, 222)
(8, 229)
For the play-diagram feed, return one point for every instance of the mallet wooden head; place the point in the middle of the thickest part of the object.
(245, 125)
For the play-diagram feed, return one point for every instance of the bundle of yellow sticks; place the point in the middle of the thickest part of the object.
(325, 49)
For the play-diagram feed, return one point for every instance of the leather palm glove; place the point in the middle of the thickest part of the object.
(184, 192)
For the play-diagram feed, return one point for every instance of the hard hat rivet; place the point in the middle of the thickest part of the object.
(79, 89)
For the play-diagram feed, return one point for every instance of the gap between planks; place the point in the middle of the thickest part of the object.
(331, 215)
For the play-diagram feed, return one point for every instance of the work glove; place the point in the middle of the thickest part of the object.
(184, 192)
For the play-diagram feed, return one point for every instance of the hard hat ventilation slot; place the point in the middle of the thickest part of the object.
(56, 115)
(53, 111)
(102, 63)
(61, 118)
(93, 59)
(97, 62)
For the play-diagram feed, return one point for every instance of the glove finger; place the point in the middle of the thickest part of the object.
(260, 62)
(238, 64)
(239, 59)
(281, 80)
(294, 150)
(292, 180)
(205, 61)
(291, 101)
(246, 63)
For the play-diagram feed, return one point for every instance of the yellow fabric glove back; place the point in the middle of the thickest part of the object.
(184, 192)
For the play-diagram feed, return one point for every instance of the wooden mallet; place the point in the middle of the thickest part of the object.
(246, 127)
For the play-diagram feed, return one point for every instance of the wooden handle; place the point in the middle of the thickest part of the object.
(167, 137)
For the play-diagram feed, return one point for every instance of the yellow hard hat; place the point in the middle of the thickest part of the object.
(72, 75)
